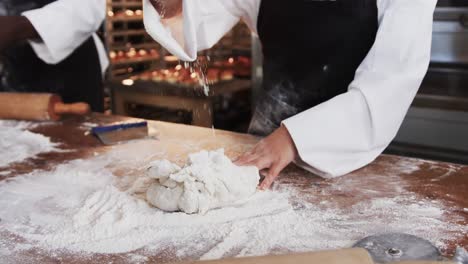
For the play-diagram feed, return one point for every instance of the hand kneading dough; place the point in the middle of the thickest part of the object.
(209, 180)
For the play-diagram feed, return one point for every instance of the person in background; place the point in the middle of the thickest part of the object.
(51, 46)
(338, 75)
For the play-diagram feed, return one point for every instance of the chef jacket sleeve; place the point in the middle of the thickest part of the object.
(200, 26)
(63, 26)
(352, 129)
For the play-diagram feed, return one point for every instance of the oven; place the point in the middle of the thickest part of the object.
(446, 83)
(436, 126)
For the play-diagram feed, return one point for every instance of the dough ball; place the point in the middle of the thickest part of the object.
(209, 180)
(161, 169)
(164, 198)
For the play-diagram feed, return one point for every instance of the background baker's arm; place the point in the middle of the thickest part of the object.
(198, 25)
(63, 26)
(352, 129)
(19, 29)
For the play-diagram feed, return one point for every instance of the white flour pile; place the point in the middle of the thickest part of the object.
(18, 144)
(82, 206)
(78, 207)
(209, 180)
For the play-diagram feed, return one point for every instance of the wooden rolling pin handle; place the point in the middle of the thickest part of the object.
(73, 109)
(343, 256)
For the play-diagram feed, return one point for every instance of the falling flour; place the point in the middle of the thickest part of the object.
(88, 206)
(209, 180)
(18, 144)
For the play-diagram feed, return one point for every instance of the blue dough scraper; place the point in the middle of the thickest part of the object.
(110, 135)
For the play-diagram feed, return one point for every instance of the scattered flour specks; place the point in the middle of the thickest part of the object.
(135, 258)
(3, 173)
(88, 125)
(408, 166)
(18, 144)
(22, 125)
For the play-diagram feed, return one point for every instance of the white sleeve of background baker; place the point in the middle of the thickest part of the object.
(352, 129)
(64, 25)
(201, 25)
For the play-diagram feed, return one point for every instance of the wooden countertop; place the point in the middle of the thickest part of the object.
(442, 182)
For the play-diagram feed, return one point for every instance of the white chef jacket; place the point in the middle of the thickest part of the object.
(350, 130)
(66, 24)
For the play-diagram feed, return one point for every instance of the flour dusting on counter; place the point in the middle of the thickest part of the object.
(98, 206)
(78, 207)
(23, 125)
(18, 144)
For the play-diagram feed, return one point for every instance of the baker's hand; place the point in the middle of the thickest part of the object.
(271, 155)
(167, 8)
(19, 28)
(6, 34)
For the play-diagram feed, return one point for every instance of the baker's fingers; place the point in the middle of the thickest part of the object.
(267, 182)
(271, 176)
(275, 170)
(249, 157)
(263, 173)
(261, 163)
(245, 158)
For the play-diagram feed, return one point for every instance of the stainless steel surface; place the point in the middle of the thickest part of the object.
(436, 126)
(450, 35)
(447, 85)
(448, 72)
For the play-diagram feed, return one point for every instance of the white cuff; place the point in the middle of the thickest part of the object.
(46, 50)
(293, 124)
(163, 35)
(40, 47)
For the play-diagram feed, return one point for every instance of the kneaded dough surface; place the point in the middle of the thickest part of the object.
(209, 180)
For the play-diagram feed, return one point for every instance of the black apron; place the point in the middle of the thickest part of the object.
(76, 78)
(311, 49)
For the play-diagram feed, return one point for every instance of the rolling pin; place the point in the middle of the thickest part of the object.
(37, 107)
(343, 256)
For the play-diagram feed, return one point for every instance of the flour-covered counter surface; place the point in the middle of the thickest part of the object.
(18, 144)
(84, 203)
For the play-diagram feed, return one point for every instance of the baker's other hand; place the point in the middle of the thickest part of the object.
(167, 8)
(271, 155)
(15, 29)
